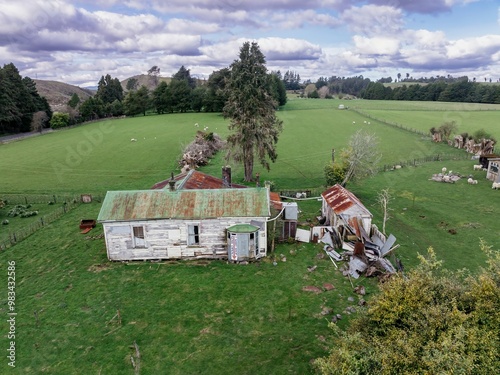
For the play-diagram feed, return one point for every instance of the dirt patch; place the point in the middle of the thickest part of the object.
(99, 267)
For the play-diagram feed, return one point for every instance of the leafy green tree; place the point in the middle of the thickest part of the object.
(19, 101)
(109, 89)
(137, 102)
(132, 84)
(184, 75)
(216, 95)
(278, 89)
(162, 98)
(252, 111)
(59, 120)
(92, 109)
(334, 173)
(180, 92)
(197, 98)
(74, 101)
(432, 321)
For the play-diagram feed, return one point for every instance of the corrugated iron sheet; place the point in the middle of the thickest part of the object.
(195, 180)
(341, 199)
(184, 204)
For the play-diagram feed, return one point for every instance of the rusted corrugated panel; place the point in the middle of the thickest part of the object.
(341, 199)
(275, 200)
(184, 204)
(195, 180)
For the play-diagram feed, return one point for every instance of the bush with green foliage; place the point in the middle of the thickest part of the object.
(59, 120)
(334, 173)
(481, 134)
(431, 321)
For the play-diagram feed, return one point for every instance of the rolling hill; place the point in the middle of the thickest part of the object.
(58, 93)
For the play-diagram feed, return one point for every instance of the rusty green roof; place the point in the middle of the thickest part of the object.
(184, 204)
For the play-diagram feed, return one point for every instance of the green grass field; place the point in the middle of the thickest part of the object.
(209, 316)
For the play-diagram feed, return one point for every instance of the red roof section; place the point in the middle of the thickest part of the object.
(195, 180)
(341, 199)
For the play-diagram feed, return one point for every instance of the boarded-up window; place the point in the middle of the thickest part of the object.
(139, 237)
(193, 235)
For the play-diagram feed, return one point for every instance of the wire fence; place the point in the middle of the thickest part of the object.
(418, 161)
(68, 203)
(393, 124)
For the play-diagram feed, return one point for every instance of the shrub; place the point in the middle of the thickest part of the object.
(334, 173)
(59, 120)
(431, 321)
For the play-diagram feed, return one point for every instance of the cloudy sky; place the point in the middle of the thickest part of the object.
(79, 41)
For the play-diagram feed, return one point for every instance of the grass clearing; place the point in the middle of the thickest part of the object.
(199, 317)
(186, 317)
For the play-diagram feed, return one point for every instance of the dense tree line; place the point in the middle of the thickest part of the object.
(459, 91)
(19, 102)
(182, 94)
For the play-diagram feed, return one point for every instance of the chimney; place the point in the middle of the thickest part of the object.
(226, 176)
(171, 183)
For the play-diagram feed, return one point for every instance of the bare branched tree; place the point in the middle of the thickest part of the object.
(383, 199)
(361, 156)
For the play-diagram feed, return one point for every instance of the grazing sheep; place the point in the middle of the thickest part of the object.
(444, 170)
(496, 185)
(354, 122)
(133, 140)
(478, 167)
(474, 182)
(446, 178)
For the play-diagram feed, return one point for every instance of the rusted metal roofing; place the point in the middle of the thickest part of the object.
(195, 180)
(184, 204)
(341, 200)
(276, 200)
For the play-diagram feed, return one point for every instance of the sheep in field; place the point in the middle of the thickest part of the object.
(478, 167)
(133, 140)
(496, 185)
(443, 170)
(471, 181)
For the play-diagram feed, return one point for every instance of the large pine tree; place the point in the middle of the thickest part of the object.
(252, 110)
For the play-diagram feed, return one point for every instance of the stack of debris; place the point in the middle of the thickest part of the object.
(365, 253)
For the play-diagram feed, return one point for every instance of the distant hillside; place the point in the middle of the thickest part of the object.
(58, 93)
(144, 80)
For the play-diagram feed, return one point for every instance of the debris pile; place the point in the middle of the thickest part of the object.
(364, 253)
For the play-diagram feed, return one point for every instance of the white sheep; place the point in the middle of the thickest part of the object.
(474, 182)
(496, 185)
(443, 170)
(446, 178)
(478, 167)
(133, 140)
(469, 181)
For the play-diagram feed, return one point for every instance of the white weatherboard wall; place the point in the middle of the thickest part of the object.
(168, 239)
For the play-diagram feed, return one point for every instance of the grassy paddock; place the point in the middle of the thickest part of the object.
(186, 317)
(199, 317)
